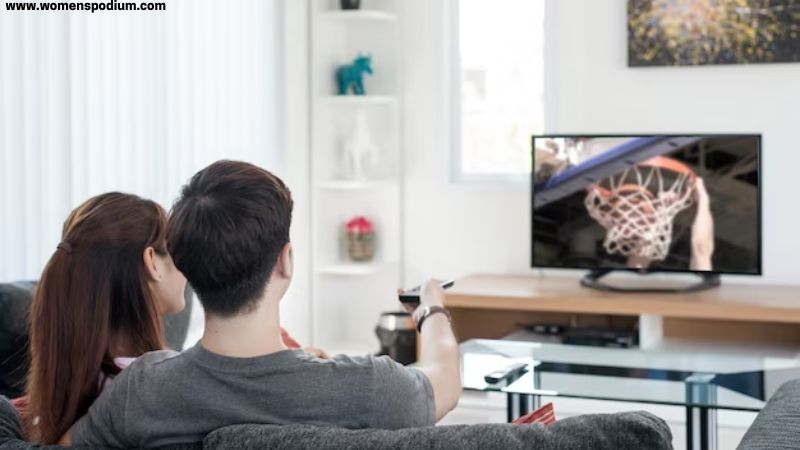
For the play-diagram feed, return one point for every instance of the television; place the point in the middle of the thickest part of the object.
(647, 203)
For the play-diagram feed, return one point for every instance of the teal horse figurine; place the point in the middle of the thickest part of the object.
(352, 75)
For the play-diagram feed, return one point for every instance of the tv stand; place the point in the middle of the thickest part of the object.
(736, 319)
(592, 280)
(491, 306)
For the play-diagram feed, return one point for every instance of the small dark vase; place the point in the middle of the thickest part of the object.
(350, 4)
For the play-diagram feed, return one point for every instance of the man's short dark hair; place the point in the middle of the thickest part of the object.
(226, 231)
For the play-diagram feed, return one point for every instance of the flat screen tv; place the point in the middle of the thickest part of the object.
(647, 203)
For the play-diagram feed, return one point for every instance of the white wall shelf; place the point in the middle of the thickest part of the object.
(349, 269)
(357, 100)
(360, 14)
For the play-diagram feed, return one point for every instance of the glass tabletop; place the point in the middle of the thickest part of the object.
(692, 378)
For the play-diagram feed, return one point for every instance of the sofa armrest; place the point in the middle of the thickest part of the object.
(777, 426)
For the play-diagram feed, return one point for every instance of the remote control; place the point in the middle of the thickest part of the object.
(411, 296)
(512, 371)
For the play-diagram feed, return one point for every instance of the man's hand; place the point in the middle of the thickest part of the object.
(431, 294)
(318, 352)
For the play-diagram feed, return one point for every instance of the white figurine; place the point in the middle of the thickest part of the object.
(359, 149)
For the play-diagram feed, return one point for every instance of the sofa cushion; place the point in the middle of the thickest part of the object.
(634, 430)
(777, 426)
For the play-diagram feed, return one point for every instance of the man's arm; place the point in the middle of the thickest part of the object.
(439, 359)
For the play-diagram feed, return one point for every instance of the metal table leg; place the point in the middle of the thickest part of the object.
(510, 408)
(701, 420)
(520, 404)
(524, 405)
(701, 428)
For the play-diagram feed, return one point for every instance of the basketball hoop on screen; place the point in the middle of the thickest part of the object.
(638, 206)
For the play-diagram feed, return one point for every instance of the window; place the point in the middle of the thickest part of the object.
(500, 102)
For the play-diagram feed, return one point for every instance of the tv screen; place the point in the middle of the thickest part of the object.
(647, 203)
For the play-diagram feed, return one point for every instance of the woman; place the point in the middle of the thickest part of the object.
(101, 298)
(98, 306)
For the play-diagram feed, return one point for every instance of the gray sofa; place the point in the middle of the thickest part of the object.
(777, 426)
(624, 431)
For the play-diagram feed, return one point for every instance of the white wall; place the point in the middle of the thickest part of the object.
(453, 229)
(296, 306)
(450, 229)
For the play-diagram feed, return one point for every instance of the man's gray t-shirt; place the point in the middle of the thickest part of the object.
(166, 397)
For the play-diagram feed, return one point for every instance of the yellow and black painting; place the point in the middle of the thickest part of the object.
(696, 32)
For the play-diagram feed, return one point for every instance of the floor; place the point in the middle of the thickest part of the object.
(480, 407)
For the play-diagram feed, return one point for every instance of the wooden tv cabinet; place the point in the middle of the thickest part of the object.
(492, 306)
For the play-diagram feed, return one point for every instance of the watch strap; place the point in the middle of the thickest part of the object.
(427, 312)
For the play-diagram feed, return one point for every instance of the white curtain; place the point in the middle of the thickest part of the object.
(128, 101)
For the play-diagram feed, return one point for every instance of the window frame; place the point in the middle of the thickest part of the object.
(453, 79)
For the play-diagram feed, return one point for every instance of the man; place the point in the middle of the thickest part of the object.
(229, 235)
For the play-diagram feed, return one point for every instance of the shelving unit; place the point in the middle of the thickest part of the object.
(360, 14)
(348, 296)
(349, 269)
(359, 100)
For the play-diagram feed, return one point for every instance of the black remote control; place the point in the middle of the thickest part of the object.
(512, 371)
(411, 296)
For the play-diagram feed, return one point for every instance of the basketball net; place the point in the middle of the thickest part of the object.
(638, 206)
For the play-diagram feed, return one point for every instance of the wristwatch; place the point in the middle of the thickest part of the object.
(423, 313)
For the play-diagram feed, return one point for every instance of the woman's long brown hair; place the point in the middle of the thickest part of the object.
(92, 302)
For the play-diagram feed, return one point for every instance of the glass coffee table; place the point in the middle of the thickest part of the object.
(702, 382)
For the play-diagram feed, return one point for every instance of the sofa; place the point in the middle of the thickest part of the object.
(15, 304)
(622, 431)
(777, 426)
